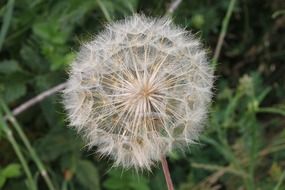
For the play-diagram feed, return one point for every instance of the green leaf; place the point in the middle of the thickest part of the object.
(157, 181)
(87, 175)
(2, 180)
(12, 170)
(50, 32)
(14, 91)
(126, 180)
(9, 66)
(114, 183)
(32, 59)
(57, 142)
(139, 184)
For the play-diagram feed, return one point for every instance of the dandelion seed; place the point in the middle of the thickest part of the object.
(140, 89)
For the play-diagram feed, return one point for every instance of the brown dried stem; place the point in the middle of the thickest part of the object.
(38, 98)
(166, 173)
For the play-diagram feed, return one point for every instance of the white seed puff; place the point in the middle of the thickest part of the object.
(140, 89)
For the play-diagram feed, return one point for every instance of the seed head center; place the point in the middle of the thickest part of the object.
(146, 90)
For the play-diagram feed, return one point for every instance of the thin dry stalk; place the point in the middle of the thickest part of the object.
(166, 173)
(38, 99)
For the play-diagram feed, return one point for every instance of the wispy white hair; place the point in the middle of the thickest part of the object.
(140, 89)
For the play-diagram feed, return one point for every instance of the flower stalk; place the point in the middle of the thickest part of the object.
(166, 173)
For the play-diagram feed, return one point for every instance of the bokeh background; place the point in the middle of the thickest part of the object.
(243, 147)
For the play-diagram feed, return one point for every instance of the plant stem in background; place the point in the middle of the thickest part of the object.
(38, 98)
(173, 6)
(104, 10)
(166, 173)
(28, 145)
(271, 110)
(16, 147)
(281, 179)
(6, 21)
(223, 32)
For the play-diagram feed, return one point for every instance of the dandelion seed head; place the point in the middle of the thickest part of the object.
(138, 90)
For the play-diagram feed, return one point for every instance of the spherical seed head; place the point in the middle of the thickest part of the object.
(140, 89)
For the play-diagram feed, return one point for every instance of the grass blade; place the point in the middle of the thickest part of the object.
(28, 145)
(6, 21)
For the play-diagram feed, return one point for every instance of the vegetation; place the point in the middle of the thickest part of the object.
(243, 146)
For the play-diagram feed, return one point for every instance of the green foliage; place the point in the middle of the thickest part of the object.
(10, 171)
(57, 142)
(13, 79)
(125, 180)
(243, 146)
(87, 175)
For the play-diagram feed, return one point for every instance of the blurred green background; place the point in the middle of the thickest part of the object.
(243, 147)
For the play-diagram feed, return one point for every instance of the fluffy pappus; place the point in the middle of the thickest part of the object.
(138, 90)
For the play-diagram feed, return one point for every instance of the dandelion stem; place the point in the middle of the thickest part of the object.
(166, 173)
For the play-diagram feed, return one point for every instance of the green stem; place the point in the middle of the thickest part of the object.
(104, 10)
(29, 147)
(280, 181)
(223, 33)
(271, 110)
(253, 152)
(6, 21)
(16, 147)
